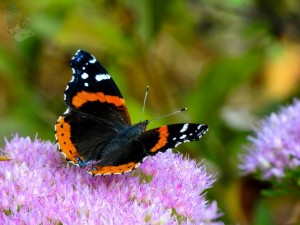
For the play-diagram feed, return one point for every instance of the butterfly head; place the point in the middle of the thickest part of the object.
(142, 125)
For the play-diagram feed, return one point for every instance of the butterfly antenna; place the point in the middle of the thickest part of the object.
(144, 104)
(170, 114)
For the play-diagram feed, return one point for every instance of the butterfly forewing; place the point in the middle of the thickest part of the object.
(96, 108)
(93, 91)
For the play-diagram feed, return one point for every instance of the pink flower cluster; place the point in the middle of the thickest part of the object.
(38, 187)
(276, 144)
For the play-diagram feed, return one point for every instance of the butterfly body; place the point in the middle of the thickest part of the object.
(96, 127)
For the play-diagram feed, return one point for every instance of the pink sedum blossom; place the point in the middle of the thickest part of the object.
(38, 187)
(275, 147)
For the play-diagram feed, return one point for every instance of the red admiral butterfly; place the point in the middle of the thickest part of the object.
(96, 126)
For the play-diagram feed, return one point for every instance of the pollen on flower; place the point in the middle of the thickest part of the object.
(37, 187)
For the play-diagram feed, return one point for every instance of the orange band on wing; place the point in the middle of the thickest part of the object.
(63, 136)
(102, 170)
(83, 97)
(163, 138)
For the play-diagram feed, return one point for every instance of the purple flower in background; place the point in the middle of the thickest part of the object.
(276, 144)
(38, 187)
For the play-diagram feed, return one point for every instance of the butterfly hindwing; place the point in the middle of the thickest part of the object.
(170, 136)
(64, 141)
(88, 136)
(133, 154)
(150, 143)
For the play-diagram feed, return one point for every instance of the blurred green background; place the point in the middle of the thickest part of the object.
(229, 62)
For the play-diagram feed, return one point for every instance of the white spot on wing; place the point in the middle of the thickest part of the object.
(184, 128)
(199, 127)
(64, 154)
(84, 76)
(86, 84)
(73, 78)
(137, 165)
(142, 160)
(183, 136)
(66, 112)
(93, 60)
(100, 77)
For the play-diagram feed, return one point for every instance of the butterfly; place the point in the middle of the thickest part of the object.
(96, 129)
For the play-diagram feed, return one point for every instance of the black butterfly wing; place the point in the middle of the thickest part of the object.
(124, 153)
(133, 153)
(92, 90)
(170, 136)
(96, 109)
(150, 143)
(82, 138)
